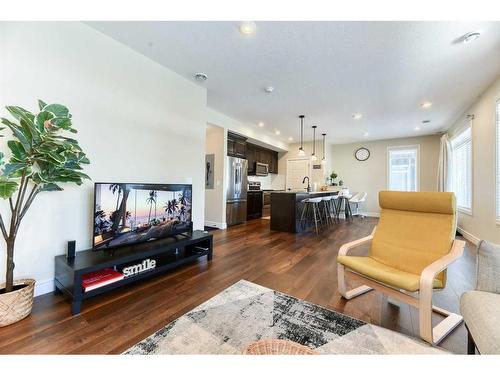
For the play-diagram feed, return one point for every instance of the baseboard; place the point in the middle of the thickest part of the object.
(43, 287)
(371, 214)
(215, 224)
(468, 236)
(365, 214)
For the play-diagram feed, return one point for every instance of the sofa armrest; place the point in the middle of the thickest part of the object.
(344, 249)
(488, 267)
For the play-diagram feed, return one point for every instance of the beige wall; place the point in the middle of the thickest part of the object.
(371, 176)
(482, 223)
(215, 214)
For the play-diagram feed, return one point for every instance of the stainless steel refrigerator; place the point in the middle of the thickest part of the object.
(236, 177)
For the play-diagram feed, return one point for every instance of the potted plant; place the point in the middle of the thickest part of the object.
(333, 176)
(42, 157)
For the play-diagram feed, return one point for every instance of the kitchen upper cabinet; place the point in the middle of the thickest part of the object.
(264, 156)
(230, 147)
(261, 155)
(273, 165)
(251, 157)
(236, 145)
(240, 148)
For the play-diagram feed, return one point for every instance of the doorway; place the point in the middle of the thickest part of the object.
(297, 169)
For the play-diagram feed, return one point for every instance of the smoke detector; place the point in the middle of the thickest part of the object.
(268, 89)
(469, 37)
(200, 77)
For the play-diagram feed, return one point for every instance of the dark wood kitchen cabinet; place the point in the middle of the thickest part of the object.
(236, 145)
(264, 156)
(273, 165)
(261, 155)
(254, 204)
(252, 158)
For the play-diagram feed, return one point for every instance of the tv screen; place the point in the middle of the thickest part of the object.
(125, 214)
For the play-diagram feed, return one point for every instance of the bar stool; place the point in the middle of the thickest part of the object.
(357, 199)
(347, 206)
(327, 208)
(334, 204)
(311, 212)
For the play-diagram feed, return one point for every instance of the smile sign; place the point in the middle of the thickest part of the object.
(146, 265)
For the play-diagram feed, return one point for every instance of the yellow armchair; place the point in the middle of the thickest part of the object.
(410, 250)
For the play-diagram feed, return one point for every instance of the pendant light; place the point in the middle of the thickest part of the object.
(301, 148)
(313, 155)
(323, 161)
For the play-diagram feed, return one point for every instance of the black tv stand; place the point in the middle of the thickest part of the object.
(169, 253)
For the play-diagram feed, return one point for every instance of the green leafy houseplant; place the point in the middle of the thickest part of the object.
(41, 158)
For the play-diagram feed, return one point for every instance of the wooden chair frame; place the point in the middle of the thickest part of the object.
(423, 303)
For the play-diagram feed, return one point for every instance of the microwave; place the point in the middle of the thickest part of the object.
(261, 169)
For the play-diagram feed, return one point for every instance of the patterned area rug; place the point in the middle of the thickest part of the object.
(246, 312)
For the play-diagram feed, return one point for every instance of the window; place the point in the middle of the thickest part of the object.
(402, 168)
(498, 160)
(461, 168)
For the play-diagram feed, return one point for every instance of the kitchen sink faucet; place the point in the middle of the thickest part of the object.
(308, 188)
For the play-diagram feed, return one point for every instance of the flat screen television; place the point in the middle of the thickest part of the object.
(125, 214)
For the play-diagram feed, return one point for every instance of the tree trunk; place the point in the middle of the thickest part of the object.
(9, 277)
(121, 212)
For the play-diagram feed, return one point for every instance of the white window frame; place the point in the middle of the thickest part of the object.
(468, 125)
(413, 147)
(497, 155)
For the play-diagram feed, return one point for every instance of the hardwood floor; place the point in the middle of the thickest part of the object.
(303, 266)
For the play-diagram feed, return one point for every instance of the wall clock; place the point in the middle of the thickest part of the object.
(362, 154)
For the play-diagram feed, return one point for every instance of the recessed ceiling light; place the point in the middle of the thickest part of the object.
(269, 89)
(366, 134)
(247, 27)
(261, 124)
(469, 37)
(277, 132)
(417, 128)
(290, 139)
(426, 105)
(426, 121)
(200, 77)
(357, 116)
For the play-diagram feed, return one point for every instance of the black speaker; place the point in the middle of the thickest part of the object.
(71, 249)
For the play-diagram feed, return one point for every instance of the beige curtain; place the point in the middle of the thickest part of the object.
(444, 169)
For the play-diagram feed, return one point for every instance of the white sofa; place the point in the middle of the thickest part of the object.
(481, 307)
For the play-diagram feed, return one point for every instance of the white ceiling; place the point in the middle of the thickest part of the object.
(328, 71)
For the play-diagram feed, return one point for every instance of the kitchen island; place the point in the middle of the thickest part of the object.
(286, 209)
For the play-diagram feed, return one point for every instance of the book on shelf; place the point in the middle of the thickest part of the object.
(94, 280)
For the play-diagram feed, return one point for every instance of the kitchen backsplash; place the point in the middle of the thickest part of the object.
(270, 182)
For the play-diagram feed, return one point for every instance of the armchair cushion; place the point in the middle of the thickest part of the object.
(426, 201)
(415, 229)
(481, 311)
(384, 274)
